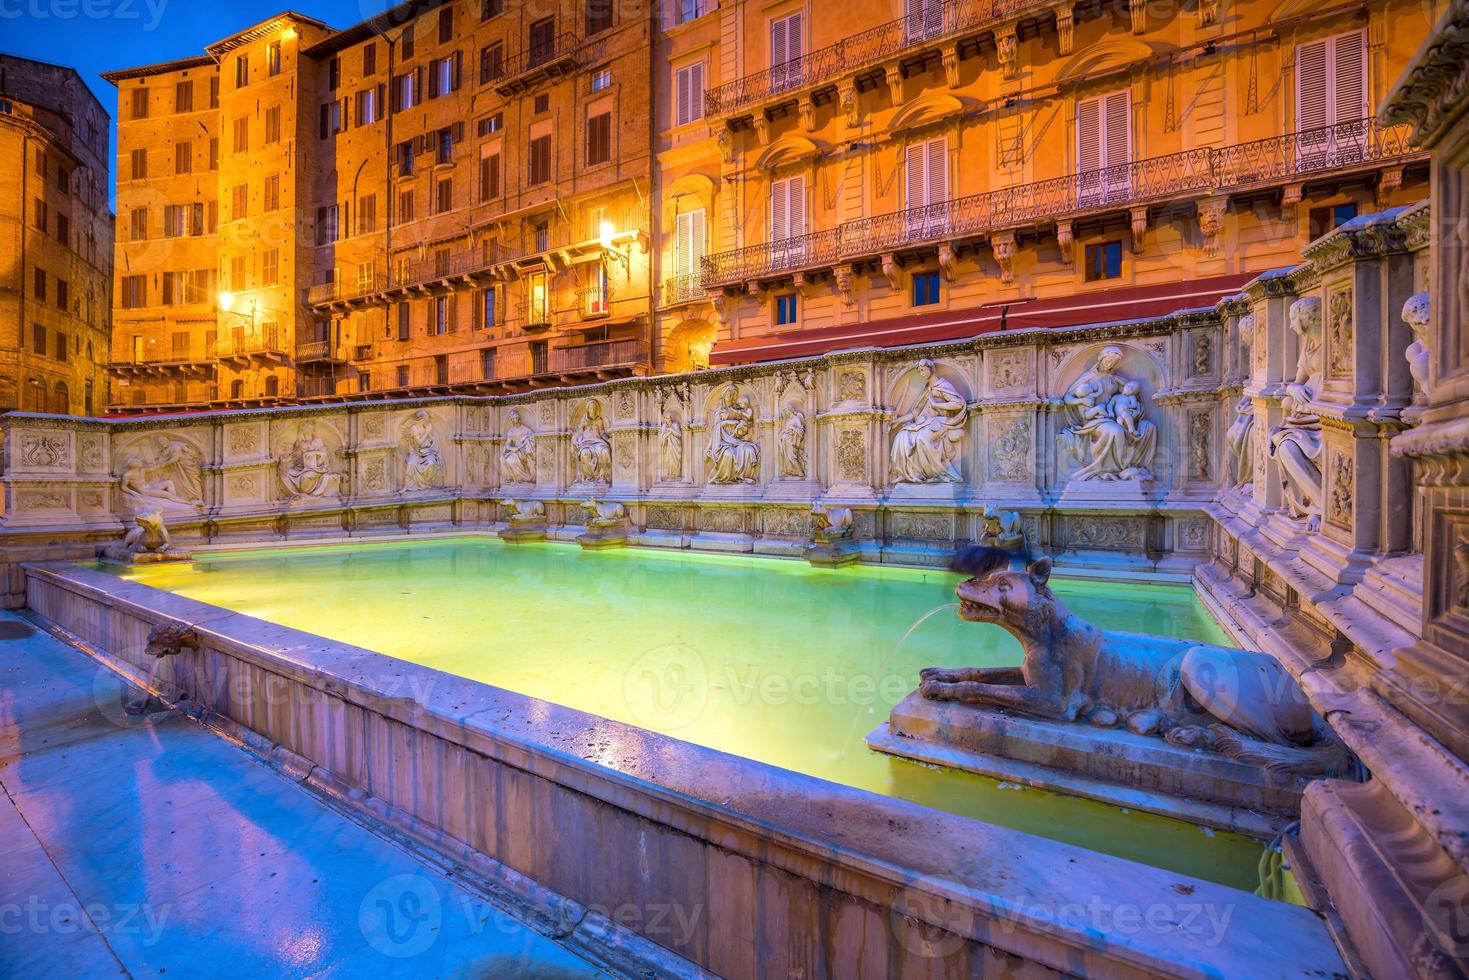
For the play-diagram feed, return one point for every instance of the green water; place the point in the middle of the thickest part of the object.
(772, 660)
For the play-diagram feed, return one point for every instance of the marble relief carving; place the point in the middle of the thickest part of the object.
(670, 446)
(1009, 370)
(1416, 314)
(1200, 425)
(91, 452)
(851, 456)
(1203, 354)
(1105, 431)
(1010, 452)
(423, 464)
(852, 386)
(305, 469)
(1295, 444)
(518, 452)
(45, 450)
(791, 444)
(1239, 437)
(1342, 479)
(1339, 332)
(244, 440)
(733, 455)
(166, 474)
(928, 435)
(591, 451)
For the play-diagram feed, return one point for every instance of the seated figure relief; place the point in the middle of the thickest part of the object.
(1104, 429)
(1295, 444)
(926, 443)
(518, 454)
(423, 464)
(732, 454)
(305, 469)
(1240, 703)
(591, 451)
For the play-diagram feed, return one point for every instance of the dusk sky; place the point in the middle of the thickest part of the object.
(94, 36)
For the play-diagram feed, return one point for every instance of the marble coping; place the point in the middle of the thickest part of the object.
(835, 869)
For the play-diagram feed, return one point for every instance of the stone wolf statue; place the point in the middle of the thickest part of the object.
(1240, 703)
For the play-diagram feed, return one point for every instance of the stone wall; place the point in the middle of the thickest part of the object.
(916, 440)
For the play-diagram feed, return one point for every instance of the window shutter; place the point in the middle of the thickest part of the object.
(325, 118)
(458, 136)
(797, 206)
(1088, 135)
(458, 69)
(1117, 149)
(780, 227)
(793, 37)
(938, 171)
(1349, 77)
(1311, 87)
(453, 312)
(780, 48)
(696, 241)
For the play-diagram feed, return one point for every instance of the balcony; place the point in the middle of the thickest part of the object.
(177, 362)
(250, 346)
(348, 293)
(861, 54)
(1293, 160)
(559, 56)
(321, 351)
(678, 290)
(316, 387)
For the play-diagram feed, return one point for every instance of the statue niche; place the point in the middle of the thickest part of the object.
(670, 446)
(304, 469)
(1295, 444)
(929, 434)
(423, 464)
(791, 444)
(1104, 429)
(518, 453)
(733, 455)
(591, 452)
(1238, 439)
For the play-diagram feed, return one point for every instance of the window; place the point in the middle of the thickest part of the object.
(785, 48)
(405, 320)
(333, 74)
(331, 119)
(1104, 147)
(214, 153)
(444, 195)
(214, 92)
(138, 161)
(923, 19)
(445, 145)
(183, 158)
(688, 242)
(1323, 220)
(63, 294)
(443, 75)
(174, 218)
(183, 96)
(537, 300)
(242, 135)
(407, 42)
(272, 194)
(41, 216)
(487, 363)
(405, 158)
(785, 309)
(542, 40)
(688, 94)
(1331, 100)
(270, 266)
(364, 380)
(599, 16)
(140, 103)
(597, 293)
(405, 206)
(326, 224)
(238, 278)
(273, 124)
(367, 214)
(602, 80)
(927, 169)
(63, 229)
(687, 10)
(402, 376)
(540, 159)
(38, 338)
(272, 383)
(489, 174)
(925, 288)
(369, 59)
(138, 224)
(491, 62)
(446, 25)
(492, 124)
(440, 324)
(1104, 261)
(599, 138)
(541, 234)
(239, 202)
(405, 91)
(787, 208)
(541, 104)
(273, 58)
(484, 309)
(369, 105)
(491, 8)
(242, 71)
(134, 292)
(63, 353)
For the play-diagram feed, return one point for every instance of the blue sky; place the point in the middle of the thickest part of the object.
(94, 36)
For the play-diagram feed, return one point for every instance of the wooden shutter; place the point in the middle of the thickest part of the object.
(690, 94)
(1117, 126)
(689, 242)
(780, 219)
(1311, 86)
(1349, 77)
(917, 175)
(1088, 135)
(780, 45)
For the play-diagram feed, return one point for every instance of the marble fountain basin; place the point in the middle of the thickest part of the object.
(691, 728)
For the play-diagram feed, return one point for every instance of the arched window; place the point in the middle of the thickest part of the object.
(272, 386)
(61, 399)
(237, 388)
(35, 395)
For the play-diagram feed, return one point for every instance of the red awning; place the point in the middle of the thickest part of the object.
(1102, 306)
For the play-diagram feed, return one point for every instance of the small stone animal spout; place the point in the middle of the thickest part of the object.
(527, 510)
(148, 535)
(608, 512)
(164, 640)
(1237, 702)
(830, 524)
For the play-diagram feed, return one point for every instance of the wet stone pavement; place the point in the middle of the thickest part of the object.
(149, 846)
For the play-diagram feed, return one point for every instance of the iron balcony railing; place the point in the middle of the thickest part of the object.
(535, 56)
(245, 343)
(320, 350)
(937, 20)
(686, 288)
(603, 354)
(315, 387)
(1205, 170)
(355, 288)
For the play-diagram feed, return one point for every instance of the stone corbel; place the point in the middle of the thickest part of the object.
(719, 300)
(842, 277)
(891, 271)
(1003, 246)
(1138, 10)
(950, 55)
(1139, 229)
(1389, 182)
(894, 76)
(1064, 241)
(1065, 29)
(762, 127)
(754, 289)
(725, 139)
(1208, 12)
(1289, 198)
(1211, 222)
(847, 98)
(802, 283)
(946, 261)
(1007, 46)
(807, 110)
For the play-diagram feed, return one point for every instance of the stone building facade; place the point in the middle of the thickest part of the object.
(447, 197)
(941, 168)
(56, 230)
